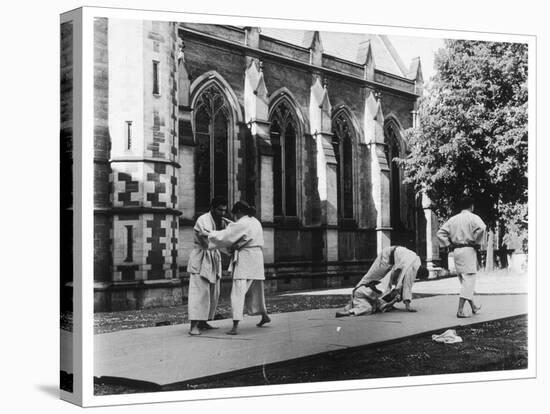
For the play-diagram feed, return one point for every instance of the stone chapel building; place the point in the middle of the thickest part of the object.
(303, 125)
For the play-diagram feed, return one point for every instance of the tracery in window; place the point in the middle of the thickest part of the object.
(284, 140)
(343, 149)
(211, 151)
(392, 152)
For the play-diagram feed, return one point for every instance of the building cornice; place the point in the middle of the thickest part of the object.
(305, 65)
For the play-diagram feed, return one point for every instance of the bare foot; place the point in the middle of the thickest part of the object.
(194, 331)
(265, 319)
(476, 309)
(461, 315)
(409, 309)
(232, 332)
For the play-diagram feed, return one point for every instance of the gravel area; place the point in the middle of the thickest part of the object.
(116, 321)
(276, 303)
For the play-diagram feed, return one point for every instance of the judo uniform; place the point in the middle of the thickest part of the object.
(245, 239)
(464, 231)
(205, 271)
(403, 265)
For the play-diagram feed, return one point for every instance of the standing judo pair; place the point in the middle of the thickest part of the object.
(243, 241)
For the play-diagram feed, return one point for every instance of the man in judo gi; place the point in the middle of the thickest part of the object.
(463, 234)
(245, 239)
(403, 267)
(205, 268)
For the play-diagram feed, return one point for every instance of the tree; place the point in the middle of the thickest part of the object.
(472, 137)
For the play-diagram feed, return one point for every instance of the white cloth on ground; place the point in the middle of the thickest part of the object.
(447, 337)
(202, 298)
(247, 296)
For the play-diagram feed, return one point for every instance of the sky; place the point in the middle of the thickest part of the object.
(410, 47)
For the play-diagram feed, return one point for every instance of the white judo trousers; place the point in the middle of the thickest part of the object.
(465, 230)
(203, 298)
(247, 297)
(245, 238)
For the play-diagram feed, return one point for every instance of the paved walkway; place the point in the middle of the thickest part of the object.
(498, 282)
(167, 354)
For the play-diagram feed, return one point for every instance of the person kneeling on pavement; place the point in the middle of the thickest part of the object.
(402, 266)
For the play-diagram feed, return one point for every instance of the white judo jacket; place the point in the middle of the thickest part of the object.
(204, 261)
(245, 238)
(465, 228)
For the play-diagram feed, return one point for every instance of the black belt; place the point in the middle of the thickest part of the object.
(391, 258)
(456, 246)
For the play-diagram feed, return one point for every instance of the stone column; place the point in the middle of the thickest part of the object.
(432, 243)
(144, 155)
(380, 171)
(186, 159)
(321, 127)
(256, 117)
(415, 73)
(366, 58)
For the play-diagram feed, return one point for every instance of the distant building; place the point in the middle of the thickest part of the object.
(304, 125)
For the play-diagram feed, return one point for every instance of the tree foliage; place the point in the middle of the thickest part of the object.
(472, 138)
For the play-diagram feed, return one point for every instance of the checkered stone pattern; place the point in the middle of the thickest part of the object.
(160, 185)
(160, 246)
(154, 253)
(126, 179)
(128, 267)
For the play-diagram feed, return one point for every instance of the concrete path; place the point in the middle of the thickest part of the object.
(167, 354)
(499, 282)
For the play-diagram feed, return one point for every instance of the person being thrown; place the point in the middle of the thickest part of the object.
(403, 267)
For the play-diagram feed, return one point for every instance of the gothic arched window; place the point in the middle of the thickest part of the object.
(392, 152)
(211, 151)
(343, 149)
(283, 138)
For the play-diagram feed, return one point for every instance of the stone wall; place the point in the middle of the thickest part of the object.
(136, 137)
(152, 178)
(102, 146)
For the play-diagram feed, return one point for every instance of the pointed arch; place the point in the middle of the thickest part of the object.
(214, 122)
(353, 119)
(402, 200)
(285, 94)
(213, 77)
(286, 133)
(393, 125)
(345, 142)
